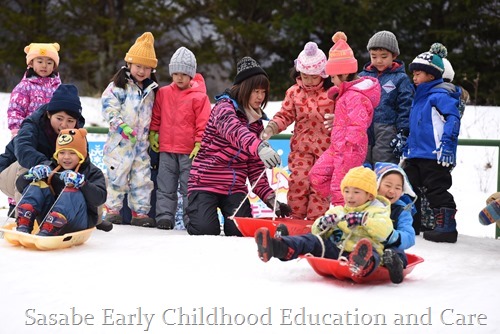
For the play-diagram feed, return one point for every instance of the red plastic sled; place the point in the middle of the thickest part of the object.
(248, 226)
(339, 269)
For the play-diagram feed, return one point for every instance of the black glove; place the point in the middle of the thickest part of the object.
(355, 219)
(399, 142)
(282, 210)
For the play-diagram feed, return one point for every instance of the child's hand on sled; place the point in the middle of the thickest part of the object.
(72, 179)
(282, 210)
(38, 172)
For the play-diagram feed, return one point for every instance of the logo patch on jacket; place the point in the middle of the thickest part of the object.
(389, 86)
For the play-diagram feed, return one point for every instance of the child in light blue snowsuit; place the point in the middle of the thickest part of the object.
(127, 105)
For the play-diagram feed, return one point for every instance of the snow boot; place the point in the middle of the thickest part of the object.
(112, 217)
(446, 226)
(394, 265)
(165, 224)
(55, 224)
(105, 225)
(268, 247)
(361, 259)
(281, 231)
(26, 216)
(142, 220)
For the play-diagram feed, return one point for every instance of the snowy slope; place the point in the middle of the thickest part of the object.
(136, 280)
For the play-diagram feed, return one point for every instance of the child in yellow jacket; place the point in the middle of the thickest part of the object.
(358, 229)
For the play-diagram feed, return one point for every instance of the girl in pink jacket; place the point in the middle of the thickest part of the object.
(355, 98)
(306, 104)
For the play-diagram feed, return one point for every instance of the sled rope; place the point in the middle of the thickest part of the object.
(342, 259)
(248, 194)
(276, 197)
(48, 212)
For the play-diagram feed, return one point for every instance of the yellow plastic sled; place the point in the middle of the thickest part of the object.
(34, 241)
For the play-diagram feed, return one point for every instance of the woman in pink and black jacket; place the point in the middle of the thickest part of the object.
(231, 152)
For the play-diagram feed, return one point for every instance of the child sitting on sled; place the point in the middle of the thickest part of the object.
(357, 230)
(64, 196)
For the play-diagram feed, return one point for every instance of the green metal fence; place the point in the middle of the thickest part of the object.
(463, 142)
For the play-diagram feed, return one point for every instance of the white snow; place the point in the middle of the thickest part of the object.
(118, 281)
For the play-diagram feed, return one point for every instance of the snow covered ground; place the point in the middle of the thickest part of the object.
(135, 280)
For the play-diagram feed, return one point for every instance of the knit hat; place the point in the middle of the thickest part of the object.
(341, 58)
(247, 67)
(72, 139)
(431, 62)
(66, 99)
(311, 60)
(143, 51)
(183, 61)
(384, 39)
(361, 177)
(42, 50)
(382, 168)
(449, 73)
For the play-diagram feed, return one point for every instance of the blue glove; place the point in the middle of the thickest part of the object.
(446, 153)
(355, 219)
(328, 222)
(72, 179)
(398, 144)
(38, 172)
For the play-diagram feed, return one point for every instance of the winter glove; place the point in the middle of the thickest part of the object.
(127, 132)
(355, 219)
(445, 154)
(38, 173)
(282, 209)
(328, 222)
(195, 150)
(153, 141)
(398, 144)
(72, 179)
(269, 157)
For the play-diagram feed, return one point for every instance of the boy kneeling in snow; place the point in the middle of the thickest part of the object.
(66, 202)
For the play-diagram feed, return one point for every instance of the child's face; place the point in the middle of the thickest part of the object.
(421, 77)
(43, 66)
(68, 159)
(339, 78)
(61, 120)
(181, 80)
(381, 59)
(310, 80)
(354, 197)
(391, 187)
(256, 98)
(140, 72)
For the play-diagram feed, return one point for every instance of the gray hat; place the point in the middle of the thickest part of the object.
(384, 39)
(183, 61)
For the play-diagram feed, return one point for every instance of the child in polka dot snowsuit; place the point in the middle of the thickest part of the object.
(306, 104)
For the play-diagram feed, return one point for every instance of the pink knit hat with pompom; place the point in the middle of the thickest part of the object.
(341, 58)
(311, 60)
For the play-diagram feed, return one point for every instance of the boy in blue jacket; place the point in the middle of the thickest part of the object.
(434, 129)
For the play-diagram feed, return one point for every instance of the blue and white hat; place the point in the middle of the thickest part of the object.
(382, 168)
(431, 62)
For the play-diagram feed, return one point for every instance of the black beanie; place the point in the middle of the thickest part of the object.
(66, 99)
(247, 67)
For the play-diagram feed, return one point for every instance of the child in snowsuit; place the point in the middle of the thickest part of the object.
(36, 87)
(355, 98)
(392, 184)
(357, 229)
(230, 153)
(434, 129)
(127, 104)
(306, 104)
(180, 114)
(65, 195)
(390, 126)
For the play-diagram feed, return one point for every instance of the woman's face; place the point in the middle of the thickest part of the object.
(256, 98)
(61, 120)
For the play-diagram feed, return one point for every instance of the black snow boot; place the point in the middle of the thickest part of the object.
(268, 247)
(446, 226)
(394, 265)
(281, 231)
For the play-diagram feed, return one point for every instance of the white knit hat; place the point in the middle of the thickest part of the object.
(448, 73)
(311, 60)
(183, 61)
